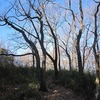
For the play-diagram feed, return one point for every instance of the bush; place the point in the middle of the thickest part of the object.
(27, 76)
(18, 83)
(80, 84)
(17, 75)
(21, 93)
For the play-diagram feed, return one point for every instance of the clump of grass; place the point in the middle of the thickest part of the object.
(34, 85)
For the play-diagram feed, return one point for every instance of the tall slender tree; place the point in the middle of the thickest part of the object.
(79, 57)
(96, 52)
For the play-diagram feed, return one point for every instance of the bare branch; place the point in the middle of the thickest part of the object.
(16, 55)
(96, 1)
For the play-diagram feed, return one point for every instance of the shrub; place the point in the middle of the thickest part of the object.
(17, 75)
(80, 84)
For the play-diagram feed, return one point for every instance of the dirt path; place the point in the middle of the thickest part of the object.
(60, 93)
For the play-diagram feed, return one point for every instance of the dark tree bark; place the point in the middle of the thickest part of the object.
(54, 63)
(78, 39)
(43, 52)
(68, 55)
(96, 54)
(59, 57)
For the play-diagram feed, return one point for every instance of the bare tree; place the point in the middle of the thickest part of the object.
(54, 36)
(96, 51)
(26, 17)
(78, 39)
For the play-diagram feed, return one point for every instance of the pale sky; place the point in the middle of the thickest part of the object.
(6, 32)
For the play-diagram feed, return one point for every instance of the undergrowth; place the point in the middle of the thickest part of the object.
(21, 82)
(84, 85)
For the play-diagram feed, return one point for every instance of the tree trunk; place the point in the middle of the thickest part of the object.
(97, 81)
(40, 75)
(33, 60)
(55, 45)
(44, 68)
(69, 58)
(41, 41)
(55, 69)
(96, 54)
(59, 58)
(79, 58)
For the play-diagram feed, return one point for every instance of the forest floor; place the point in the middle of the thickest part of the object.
(21, 84)
(56, 92)
(60, 93)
